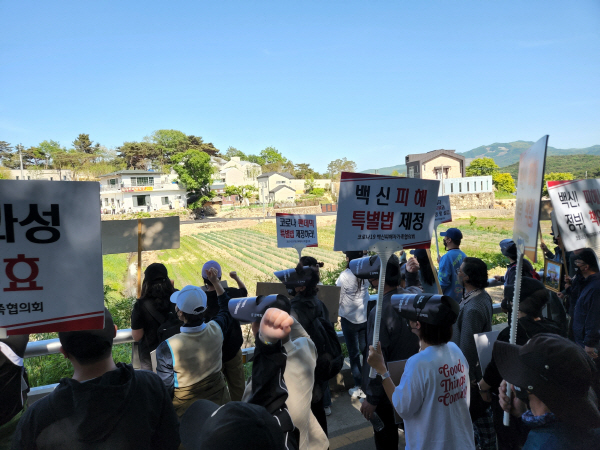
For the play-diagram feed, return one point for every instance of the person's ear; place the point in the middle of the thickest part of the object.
(116, 329)
(64, 352)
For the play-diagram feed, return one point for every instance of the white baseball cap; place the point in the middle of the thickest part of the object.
(190, 300)
(209, 265)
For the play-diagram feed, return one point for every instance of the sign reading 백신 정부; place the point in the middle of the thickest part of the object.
(376, 208)
(529, 196)
(51, 257)
(295, 230)
(576, 207)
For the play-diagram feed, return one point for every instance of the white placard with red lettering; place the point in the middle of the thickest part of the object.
(529, 196)
(576, 207)
(377, 208)
(295, 230)
(443, 213)
(50, 256)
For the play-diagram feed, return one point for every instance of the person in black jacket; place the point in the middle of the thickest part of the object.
(151, 310)
(264, 421)
(233, 367)
(530, 322)
(306, 307)
(104, 406)
(397, 342)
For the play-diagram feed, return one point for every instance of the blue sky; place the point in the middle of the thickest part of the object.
(319, 80)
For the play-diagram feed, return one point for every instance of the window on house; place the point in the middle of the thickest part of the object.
(112, 181)
(482, 185)
(467, 186)
(139, 200)
(411, 172)
(28, 177)
(280, 182)
(451, 187)
(164, 200)
(459, 187)
(64, 178)
(16, 178)
(51, 179)
(142, 181)
(105, 202)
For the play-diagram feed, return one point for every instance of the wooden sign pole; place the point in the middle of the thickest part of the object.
(435, 275)
(139, 264)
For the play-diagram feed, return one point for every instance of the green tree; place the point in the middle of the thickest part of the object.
(309, 184)
(168, 143)
(504, 182)
(4, 173)
(137, 155)
(194, 170)
(274, 161)
(304, 171)
(481, 167)
(395, 173)
(48, 149)
(243, 192)
(256, 159)
(232, 151)
(336, 167)
(83, 144)
(555, 176)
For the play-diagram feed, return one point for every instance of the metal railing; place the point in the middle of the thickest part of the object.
(124, 336)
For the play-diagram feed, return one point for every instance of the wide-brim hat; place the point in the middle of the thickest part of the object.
(555, 370)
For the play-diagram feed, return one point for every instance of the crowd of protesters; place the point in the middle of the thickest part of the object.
(199, 398)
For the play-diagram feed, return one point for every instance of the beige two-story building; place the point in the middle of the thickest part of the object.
(435, 165)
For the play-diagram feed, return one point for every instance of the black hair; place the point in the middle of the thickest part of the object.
(435, 334)
(456, 241)
(207, 281)
(426, 271)
(392, 272)
(311, 285)
(86, 348)
(310, 261)
(159, 292)
(477, 272)
(193, 320)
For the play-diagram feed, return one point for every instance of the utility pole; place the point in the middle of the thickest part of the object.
(20, 147)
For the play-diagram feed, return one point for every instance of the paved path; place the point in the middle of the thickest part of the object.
(348, 429)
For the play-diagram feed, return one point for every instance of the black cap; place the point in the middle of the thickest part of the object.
(234, 426)
(156, 272)
(428, 308)
(588, 256)
(555, 370)
(534, 296)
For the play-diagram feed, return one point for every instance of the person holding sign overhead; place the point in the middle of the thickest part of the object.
(433, 394)
(395, 340)
(450, 262)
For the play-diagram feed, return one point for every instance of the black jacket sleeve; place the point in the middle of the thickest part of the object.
(223, 317)
(269, 389)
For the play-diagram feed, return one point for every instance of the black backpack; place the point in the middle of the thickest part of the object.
(169, 325)
(330, 359)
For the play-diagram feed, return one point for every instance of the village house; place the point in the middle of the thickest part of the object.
(435, 165)
(140, 190)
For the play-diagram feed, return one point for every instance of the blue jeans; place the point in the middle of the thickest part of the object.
(355, 335)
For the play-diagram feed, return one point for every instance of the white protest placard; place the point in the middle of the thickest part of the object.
(576, 207)
(376, 208)
(296, 231)
(527, 217)
(484, 342)
(384, 214)
(443, 214)
(529, 196)
(51, 256)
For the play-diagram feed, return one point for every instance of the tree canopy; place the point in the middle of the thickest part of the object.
(336, 167)
(482, 167)
(194, 170)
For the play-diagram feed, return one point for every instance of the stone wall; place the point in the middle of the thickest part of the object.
(258, 212)
(483, 200)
